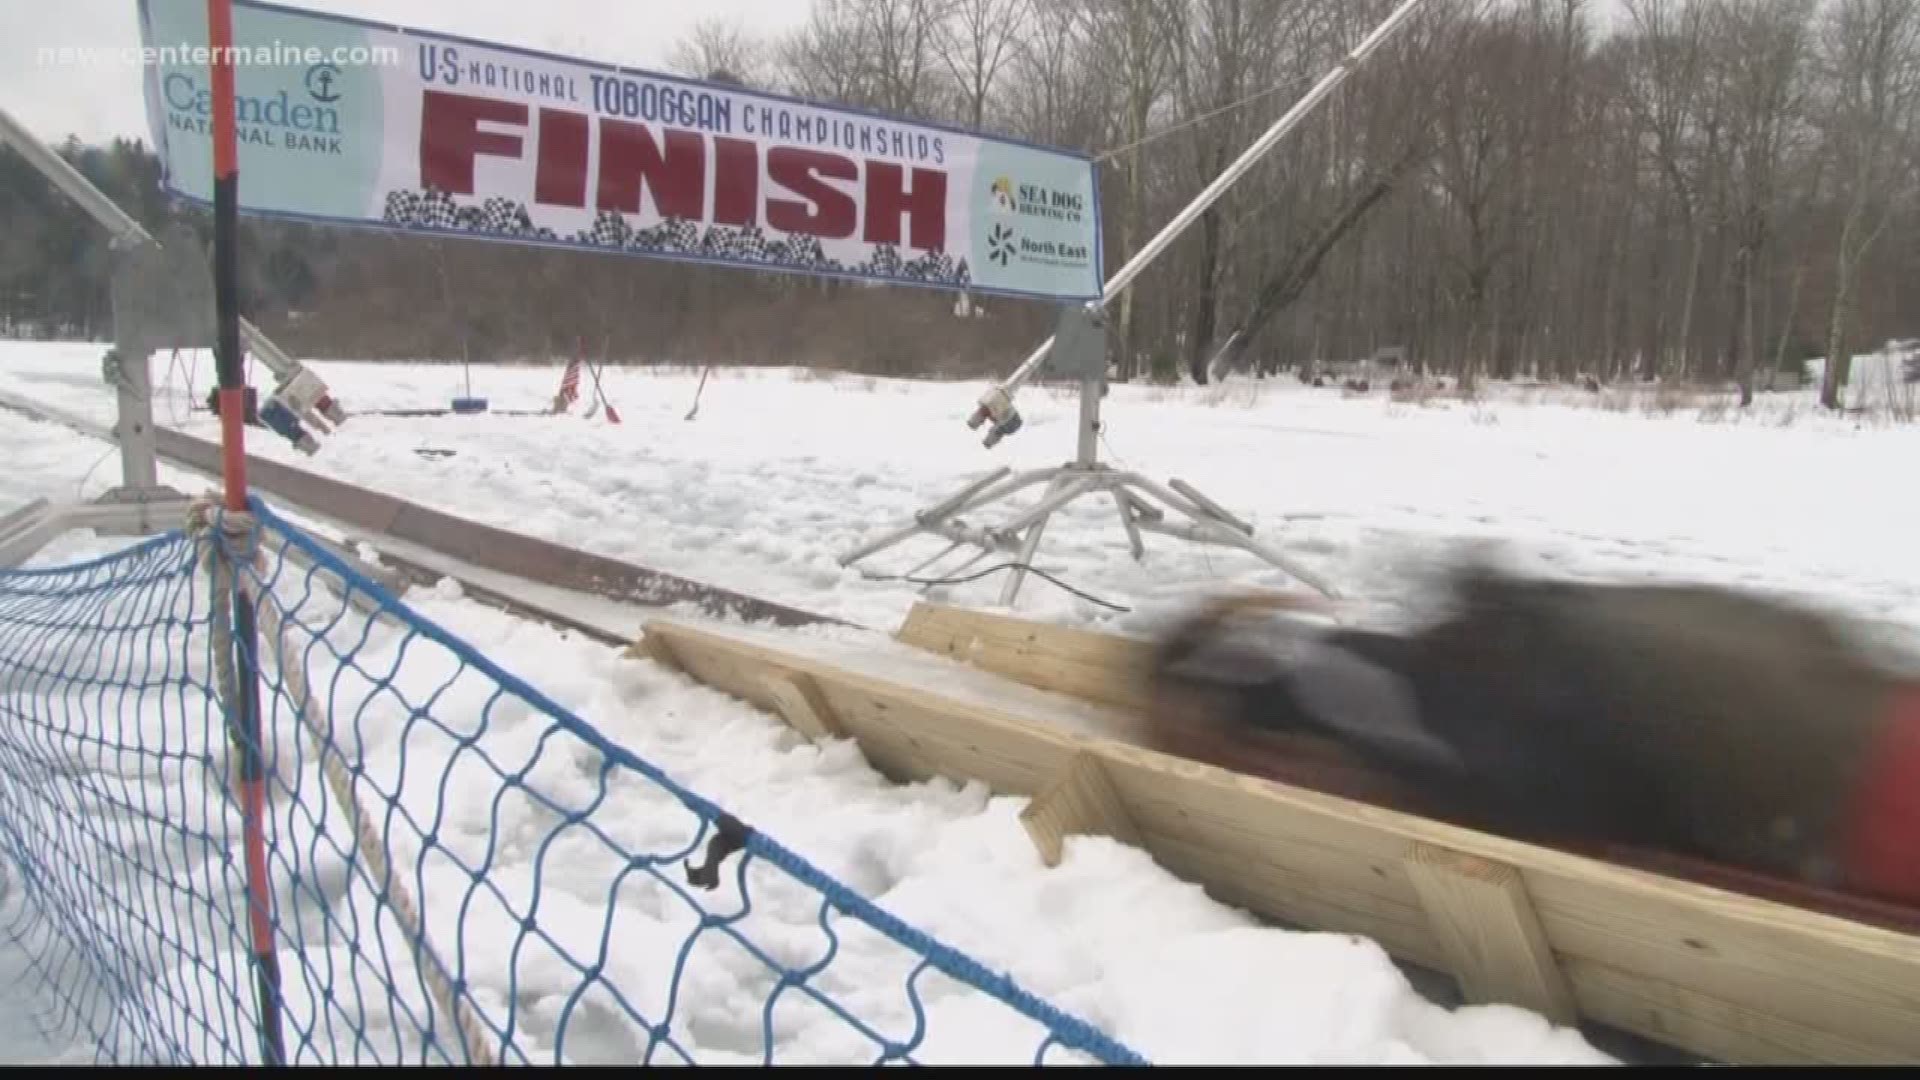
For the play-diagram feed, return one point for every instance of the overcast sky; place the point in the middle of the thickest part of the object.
(99, 101)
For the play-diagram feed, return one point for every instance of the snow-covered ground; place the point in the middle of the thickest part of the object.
(780, 473)
(1098, 936)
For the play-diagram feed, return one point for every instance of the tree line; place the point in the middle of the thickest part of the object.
(1699, 191)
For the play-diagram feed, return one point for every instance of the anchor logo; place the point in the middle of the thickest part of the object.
(321, 82)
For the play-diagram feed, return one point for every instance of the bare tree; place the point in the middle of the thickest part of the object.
(974, 42)
(1759, 60)
(901, 34)
(1229, 46)
(1061, 100)
(873, 53)
(826, 58)
(1136, 42)
(1868, 59)
(722, 50)
(1665, 93)
(1482, 142)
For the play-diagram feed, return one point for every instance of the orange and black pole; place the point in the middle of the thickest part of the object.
(243, 713)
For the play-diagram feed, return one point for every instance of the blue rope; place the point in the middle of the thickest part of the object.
(495, 810)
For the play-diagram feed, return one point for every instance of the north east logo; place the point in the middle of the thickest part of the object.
(1000, 244)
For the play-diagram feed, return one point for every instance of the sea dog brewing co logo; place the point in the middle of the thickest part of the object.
(1035, 201)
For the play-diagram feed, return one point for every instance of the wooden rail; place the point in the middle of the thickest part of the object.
(1053, 714)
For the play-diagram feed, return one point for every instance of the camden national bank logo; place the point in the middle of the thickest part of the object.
(305, 121)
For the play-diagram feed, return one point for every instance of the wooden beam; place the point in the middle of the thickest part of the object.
(1706, 969)
(907, 728)
(1082, 801)
(1486, 925)
(799, 702)
(1104, 669)
(657, 648)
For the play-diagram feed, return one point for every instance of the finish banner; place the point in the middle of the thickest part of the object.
(350, 122)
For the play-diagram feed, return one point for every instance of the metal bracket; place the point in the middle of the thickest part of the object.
(1079, 347)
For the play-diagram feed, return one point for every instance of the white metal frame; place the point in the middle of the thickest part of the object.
(1207, 521)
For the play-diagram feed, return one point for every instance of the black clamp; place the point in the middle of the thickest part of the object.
(728, 837)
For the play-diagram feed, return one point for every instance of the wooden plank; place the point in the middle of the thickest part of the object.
(1271, 886)
(1844, 978)
(1713, 1027)
(1081, 801)
(657, 648)
(1733, 977)
(1101, 668)
(800, 703)
(1858, 982)
(1487, 927)
(1311, 867)
(905, 729)
(1301, 857)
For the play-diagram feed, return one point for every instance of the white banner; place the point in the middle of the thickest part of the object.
(356, 123)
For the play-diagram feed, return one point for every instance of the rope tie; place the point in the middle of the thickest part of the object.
(225, 537)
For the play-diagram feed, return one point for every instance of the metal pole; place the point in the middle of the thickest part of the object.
(1087, 453)
(1154, 247)
(69, 181)
(244, 709)
(226, 242)
(133, 427)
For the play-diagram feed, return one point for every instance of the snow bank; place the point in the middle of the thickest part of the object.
(1107, 935)
(779, 475)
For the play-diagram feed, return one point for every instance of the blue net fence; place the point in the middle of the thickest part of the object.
(457, 870)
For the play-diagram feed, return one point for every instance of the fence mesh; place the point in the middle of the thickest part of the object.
(460, 870)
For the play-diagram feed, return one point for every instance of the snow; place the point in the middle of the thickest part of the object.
(781, 473)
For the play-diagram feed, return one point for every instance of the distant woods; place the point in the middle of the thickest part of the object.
(1698, 190)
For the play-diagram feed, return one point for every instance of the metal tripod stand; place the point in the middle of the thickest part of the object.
(1078, 350)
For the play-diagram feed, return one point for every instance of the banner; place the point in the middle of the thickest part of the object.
(355, 123)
